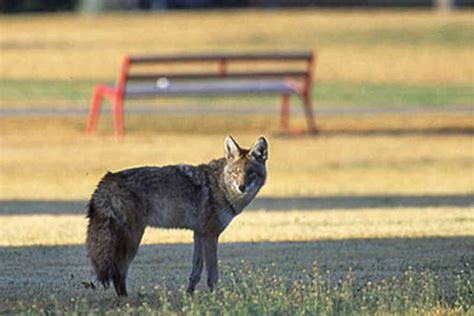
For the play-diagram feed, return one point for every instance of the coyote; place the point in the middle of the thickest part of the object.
(203, 198)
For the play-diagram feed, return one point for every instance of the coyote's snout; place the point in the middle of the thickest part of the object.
(203, 198)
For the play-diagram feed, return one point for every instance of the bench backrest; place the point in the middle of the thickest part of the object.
(140, 68)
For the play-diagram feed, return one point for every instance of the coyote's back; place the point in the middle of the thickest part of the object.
(203, 198)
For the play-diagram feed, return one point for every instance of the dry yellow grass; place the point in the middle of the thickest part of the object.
(52, 159)
(262, 226)
(382, 46)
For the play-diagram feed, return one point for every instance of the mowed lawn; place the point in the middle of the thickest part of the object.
(412, 164)
(376, 46)
(375, 58)
(365, 177)
(371, 200)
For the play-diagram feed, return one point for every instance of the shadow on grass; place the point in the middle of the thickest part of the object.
(319, 203)
(38, 272)
(441, 131)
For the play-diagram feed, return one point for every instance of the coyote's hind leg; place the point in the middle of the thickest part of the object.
(120, 283)
(210, 257)
(196, 272)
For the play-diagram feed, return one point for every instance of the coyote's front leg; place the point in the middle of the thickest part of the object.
(210, 257)
(196, 272)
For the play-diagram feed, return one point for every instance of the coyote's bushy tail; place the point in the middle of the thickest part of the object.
(114, 232)
(101, 244)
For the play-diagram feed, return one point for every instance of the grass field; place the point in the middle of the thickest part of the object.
(398, 58)
(373, 216)
(383, 208)
(76, 94)
(404, 46)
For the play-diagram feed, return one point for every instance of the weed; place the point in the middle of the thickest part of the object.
(263, 291)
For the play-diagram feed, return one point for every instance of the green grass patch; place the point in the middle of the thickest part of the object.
(372, 94)
(44, 93)
(77, 93)
(266, 291)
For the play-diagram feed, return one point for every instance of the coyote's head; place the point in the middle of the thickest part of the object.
(245, 171)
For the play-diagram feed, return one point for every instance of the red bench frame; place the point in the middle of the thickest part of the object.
(300, 80)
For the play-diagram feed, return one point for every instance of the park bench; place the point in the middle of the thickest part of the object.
(286, 74)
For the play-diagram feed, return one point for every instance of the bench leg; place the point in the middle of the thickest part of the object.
(94, 109)
(308, 110)
(284, 112)
(117, 116)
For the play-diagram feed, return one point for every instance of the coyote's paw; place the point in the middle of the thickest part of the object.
(89, 284)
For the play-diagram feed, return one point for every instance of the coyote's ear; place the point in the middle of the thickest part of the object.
(231, 148)
(259, 150)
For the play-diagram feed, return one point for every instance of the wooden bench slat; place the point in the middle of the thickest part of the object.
(217, 57)
(211, 88)
(211, 75)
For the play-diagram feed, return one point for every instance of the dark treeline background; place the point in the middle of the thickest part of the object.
(19, 6)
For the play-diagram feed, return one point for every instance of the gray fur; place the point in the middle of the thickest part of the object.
(203, 198)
